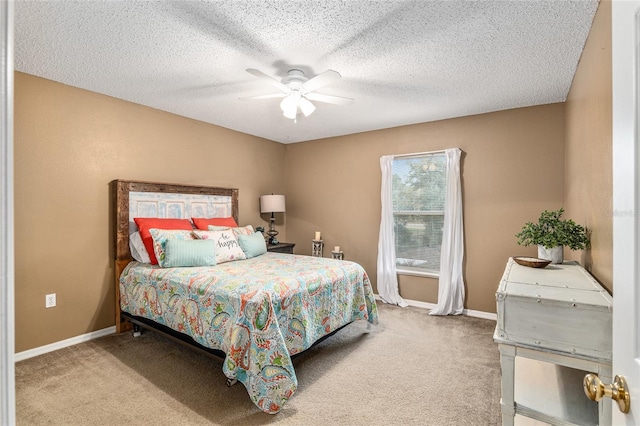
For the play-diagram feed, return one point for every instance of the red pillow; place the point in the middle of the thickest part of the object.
(146, 223)
(203, 224)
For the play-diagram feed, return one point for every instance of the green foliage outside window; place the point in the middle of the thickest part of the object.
(419, 185)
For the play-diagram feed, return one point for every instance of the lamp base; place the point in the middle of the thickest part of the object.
(272, 231)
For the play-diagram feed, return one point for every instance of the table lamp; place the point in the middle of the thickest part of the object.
(272, 204)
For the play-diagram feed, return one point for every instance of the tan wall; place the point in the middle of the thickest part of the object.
(512, 169)
(69, 144)
(588, 142)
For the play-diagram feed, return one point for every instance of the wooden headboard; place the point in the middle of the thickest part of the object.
(151, 199)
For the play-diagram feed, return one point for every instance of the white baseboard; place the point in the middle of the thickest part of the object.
(468, 312)
(480, 314)
(20, 356)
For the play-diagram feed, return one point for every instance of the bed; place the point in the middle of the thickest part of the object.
(256, 313)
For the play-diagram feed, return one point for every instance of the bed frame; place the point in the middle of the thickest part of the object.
(122, 191)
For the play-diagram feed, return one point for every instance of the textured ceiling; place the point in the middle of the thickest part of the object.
(403, 62)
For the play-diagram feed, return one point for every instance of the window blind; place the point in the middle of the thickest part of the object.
(419, 185)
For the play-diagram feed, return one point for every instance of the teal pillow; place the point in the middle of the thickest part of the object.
(189, 253)
(253, 244)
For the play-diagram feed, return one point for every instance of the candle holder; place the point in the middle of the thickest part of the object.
(338, 255)
(316, 248)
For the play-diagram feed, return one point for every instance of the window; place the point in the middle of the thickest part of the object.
(419, 186)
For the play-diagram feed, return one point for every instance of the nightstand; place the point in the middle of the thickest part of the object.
(281, 248)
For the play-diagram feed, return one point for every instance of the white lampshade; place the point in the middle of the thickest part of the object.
(289, 105)
(272, 203)
(306, 107)
(294, 101)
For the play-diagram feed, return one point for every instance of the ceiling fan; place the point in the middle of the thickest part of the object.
(298, 91)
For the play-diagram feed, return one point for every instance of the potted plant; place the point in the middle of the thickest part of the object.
(552, 233)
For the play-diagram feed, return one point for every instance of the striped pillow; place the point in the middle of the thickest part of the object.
(189, 253)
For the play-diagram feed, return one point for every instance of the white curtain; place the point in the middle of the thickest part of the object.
(451, 284)
(387, 277)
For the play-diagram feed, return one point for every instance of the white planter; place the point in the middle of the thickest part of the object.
(554, 254)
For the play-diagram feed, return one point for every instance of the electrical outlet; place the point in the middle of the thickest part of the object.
(50, 300)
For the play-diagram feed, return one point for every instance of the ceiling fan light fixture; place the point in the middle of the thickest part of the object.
(289, 106)
(306, 107)
(290, 114)
(297, 91)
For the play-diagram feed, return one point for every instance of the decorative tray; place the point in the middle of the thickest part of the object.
(532, 262)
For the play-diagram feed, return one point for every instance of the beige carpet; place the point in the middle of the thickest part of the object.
(411, 369)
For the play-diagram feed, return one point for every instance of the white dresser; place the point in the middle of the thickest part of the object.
(559, 315)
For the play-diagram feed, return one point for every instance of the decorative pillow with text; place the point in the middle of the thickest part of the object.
(237, 230)
(227, 246)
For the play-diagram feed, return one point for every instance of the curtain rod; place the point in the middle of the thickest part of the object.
(415, 154)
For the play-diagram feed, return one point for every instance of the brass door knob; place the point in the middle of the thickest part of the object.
(618, 391)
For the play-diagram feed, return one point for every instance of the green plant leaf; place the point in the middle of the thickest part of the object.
(551, 231)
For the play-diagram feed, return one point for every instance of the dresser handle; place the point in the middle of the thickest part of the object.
(618, 391)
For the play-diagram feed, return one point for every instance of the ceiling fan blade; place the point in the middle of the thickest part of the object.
(327, 77)
(337, 100)
(268, 79)
(272, 95)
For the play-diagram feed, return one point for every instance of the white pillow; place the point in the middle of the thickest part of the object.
(227, 247)
(137, 248)
(237, 230)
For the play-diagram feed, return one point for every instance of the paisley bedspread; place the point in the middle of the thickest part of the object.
(259, 311)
